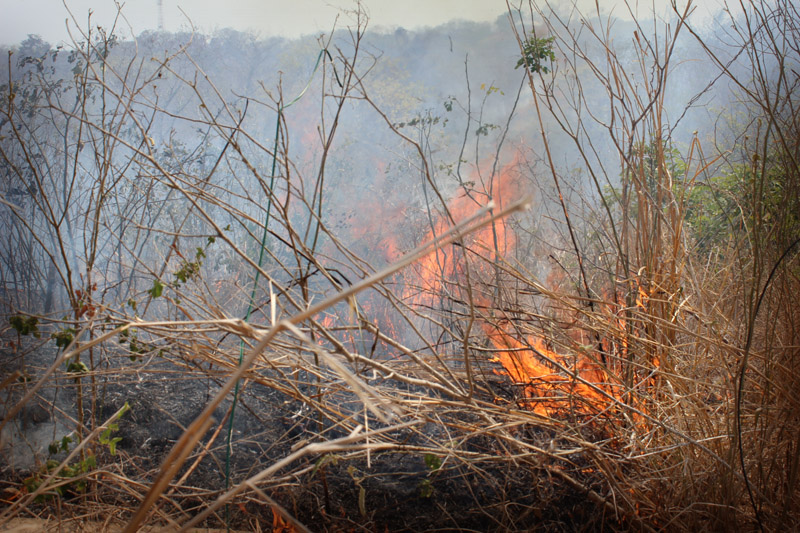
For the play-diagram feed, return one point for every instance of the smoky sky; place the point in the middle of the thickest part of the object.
(57, 22)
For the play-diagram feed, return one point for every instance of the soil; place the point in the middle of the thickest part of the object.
(396, 491)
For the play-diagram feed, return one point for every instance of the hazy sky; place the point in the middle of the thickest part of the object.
(288, 18)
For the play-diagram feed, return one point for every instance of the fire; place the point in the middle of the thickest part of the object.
(279, 523)
(439, 273)
(552, 383)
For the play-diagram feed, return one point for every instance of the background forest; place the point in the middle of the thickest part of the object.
(538, 274)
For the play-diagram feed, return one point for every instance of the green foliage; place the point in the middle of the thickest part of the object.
(64, 337)
(448, 104)
(729, 206)
(60, 446)
(106, 438)
(156, 290)
(325, 460)
(484, 129)
(424, 121)
(434, 463)
(77, 367)
(535, 51)
(646, 173)
(191, 269)
(25, 325)
(136, 346)
(643, 178)
(73, 472)
(712, 210)
(362, 492)
(76, 470)
(735, 206)
(426, 488)
(188, 270)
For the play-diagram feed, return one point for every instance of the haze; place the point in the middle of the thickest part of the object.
(265, 18)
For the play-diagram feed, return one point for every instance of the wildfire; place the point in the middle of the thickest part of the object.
(439, 273)
(552, 383)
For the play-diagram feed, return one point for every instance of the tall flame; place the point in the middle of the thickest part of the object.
(552, 383)
(439, 273)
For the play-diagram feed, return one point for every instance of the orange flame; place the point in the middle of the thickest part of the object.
(439, 272)
(552, 383)
(280, 524)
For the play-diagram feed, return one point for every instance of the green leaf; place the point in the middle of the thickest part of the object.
(78, 368)
(64, 337)
(323, 461)
(157, 289)
(31, 483)
(432, 462)
(25, 325)
(112, 445)
(534, 52)
(362, 501)
(90, 462)
(426, 488)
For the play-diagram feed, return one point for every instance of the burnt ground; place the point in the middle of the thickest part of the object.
(401, 490)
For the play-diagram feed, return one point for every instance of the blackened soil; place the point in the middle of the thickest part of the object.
(394, 491)
(401, 494)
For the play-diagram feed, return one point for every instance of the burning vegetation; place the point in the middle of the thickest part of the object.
(557, 312)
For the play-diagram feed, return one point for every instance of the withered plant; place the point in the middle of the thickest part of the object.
(677, 262)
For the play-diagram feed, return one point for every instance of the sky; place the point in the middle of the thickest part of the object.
(287, 18)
